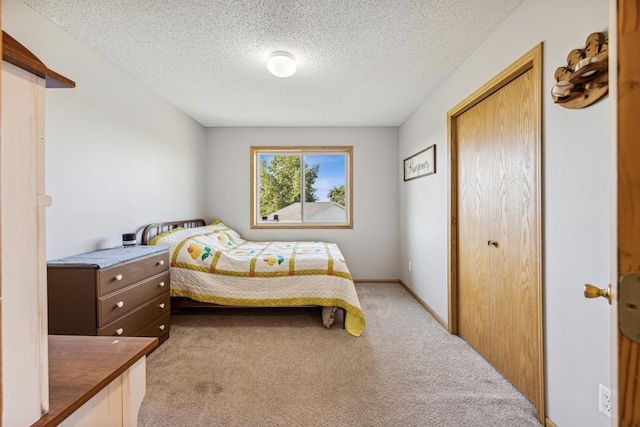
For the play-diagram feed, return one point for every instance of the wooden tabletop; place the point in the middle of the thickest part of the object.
(81, 366)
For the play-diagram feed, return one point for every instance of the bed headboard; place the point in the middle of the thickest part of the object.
(152, 230)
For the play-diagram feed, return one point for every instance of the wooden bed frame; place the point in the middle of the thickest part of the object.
(177, 303)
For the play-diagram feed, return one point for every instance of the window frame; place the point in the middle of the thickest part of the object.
(256, 151)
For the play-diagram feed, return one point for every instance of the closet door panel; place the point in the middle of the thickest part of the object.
(474, 291)
(514, 261)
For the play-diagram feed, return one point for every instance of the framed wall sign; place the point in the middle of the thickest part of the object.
(422, 163)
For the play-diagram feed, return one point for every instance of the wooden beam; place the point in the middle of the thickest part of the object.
(15, 53)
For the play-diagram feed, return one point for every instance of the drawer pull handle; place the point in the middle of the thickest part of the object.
(119, 331)
(161, 305)
(119, 277)
(161, 284)
(120, 304)
(161, 262)
(162, 327)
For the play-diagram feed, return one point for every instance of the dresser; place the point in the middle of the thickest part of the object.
(119, 291)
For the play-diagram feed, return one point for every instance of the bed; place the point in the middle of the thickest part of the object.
(213, 264)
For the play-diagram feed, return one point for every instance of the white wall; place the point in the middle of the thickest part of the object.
(371, 247)
(575, 203)
(118, 155)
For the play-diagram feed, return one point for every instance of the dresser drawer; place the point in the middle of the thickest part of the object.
(119, 303)
(124, 274)
(157, 328)
(129, 325)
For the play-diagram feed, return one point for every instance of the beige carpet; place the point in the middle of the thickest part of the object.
(281, 367)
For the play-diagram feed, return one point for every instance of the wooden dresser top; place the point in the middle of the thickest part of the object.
(81, 366)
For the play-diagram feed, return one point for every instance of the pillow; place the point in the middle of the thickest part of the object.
(219, 225)
(166, 233)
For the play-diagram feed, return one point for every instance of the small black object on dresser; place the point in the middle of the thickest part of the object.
(117, 291)
(128, 239)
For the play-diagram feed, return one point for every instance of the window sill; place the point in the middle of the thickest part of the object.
(293, 225)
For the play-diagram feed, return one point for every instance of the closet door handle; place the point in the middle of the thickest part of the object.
(492, 243)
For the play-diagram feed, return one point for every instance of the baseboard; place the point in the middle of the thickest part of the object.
(375, 281)
(425, 305)
(549, 423)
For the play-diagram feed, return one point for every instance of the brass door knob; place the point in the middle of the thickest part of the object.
(591, 291)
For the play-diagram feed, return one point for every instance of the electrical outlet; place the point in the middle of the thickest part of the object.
(605, 401)
(409, 265)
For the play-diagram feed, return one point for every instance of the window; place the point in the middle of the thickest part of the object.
(301, 187)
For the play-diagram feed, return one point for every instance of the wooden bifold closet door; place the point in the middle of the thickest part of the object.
(499, 273)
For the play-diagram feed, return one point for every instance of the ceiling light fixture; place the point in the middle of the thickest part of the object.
(281, 64)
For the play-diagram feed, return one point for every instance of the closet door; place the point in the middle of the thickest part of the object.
(515, 280)
(499, 281)
(475, 180)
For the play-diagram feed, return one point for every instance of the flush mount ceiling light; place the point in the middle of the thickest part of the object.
(281, 64)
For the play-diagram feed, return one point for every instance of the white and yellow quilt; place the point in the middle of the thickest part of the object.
(214, 264)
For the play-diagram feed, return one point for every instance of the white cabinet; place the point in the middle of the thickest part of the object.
(22, 255)
(117, 404)
(22, 234)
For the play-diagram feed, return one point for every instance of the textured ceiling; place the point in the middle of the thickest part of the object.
(360, 62)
